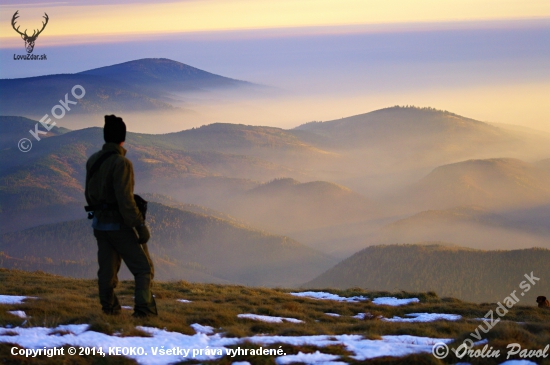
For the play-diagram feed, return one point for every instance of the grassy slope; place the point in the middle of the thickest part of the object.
(71, 301)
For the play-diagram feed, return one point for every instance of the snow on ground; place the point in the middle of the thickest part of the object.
(328, 296)
(270, 319)
(241, 363)
(20, 314)
(333, 314)
(424, 317)
(394, 301)
(13, 299)
(315, 358)
(367, 315)
(206, 347)
(126, 307)
(364, 349)
(39, 337)
(183, 300)
(199, 328)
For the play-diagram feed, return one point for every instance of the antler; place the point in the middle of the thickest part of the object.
(43, 24)
(13, 24)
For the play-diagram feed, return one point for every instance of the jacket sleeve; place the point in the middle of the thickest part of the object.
(123, 184)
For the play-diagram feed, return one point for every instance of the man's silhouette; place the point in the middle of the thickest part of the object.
(118, 225)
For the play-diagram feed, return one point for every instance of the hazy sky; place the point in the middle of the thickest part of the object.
(486, 59)
(102, 18)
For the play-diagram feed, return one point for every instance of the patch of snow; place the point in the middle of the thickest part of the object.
(333, 314)
(364, 349)
(413, 340)
(241, 363)
(20, 314)
(183, 300)
(317, 358)
(126, 307)
(328, 296)
(75, 329)
(39, 337)
(394, 301)
(199, 328)
(424, 317)
(366, 315)
(270, 319)
(13, 299)
(518, 362)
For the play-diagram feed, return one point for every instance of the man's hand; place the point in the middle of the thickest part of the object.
(143, 233)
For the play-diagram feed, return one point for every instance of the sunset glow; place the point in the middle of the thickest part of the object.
(217, 15)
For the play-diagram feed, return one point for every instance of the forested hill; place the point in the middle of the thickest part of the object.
(452, 271)
(184, 245)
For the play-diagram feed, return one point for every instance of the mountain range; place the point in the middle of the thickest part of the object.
(261, 205)
(231, 168)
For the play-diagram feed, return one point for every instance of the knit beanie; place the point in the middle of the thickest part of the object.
(114, 130)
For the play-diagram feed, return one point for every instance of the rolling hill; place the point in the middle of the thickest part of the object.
(138, 85)
(490, 183)
(426, 128)
(45, 184)
(469, 226)
(184, 245)
(449, 270)
(286, 205)
(223, 166)
(12, 129)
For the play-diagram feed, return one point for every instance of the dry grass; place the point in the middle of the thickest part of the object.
(70, 301)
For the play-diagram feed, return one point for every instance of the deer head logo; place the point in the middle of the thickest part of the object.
(29, 40)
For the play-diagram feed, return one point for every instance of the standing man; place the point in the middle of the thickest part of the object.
(118, 225)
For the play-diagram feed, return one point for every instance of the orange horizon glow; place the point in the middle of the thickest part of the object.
(87, 22)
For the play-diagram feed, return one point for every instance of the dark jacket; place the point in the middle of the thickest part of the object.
(113, 183)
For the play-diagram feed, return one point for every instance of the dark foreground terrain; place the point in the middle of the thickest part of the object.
(61, 301)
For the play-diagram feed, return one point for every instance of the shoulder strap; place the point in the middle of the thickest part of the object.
(98, 163)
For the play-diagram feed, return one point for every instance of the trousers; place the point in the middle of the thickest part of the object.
(113, 247)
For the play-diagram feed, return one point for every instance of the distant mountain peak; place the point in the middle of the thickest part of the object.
(162, 72)
(401, 119)
(147, 65)
(138, 85)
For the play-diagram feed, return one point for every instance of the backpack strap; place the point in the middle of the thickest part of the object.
(98, 163)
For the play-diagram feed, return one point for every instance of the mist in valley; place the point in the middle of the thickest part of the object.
(317, 149)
